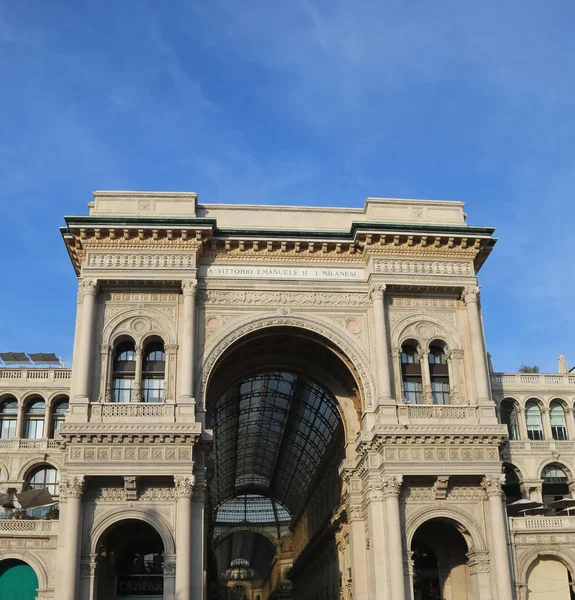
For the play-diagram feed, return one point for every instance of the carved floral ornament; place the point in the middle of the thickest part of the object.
(470, 294)
(184, 485)
(377, 291)
(71, 487)
(391, 485)
(189, 287)
(87, 287)
(492, 484)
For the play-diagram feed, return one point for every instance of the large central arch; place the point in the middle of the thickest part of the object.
(284, 403)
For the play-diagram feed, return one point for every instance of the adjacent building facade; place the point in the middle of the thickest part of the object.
(283, 402)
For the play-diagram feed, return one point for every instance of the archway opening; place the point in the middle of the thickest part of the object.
(18, 580)
(549, 579)
(275, 402)
(440, 562)
(130, 562)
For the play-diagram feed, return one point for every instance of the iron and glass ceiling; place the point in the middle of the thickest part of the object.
(271, 431)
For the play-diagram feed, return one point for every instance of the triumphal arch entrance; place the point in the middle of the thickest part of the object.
(279, 402)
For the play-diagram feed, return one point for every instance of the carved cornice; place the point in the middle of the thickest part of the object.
(71, 487)
(184, 485)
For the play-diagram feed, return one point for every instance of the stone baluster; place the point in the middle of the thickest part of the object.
(87, 292)
(492, 484)
(184, 487)
(71, 490)
(391, 488)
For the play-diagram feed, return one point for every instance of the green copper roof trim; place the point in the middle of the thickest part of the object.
(356, 226)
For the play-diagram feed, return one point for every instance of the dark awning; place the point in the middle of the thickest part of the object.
(43, 358)
(15, 358)
(33, 498)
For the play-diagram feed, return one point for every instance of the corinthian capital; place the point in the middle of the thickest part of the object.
(71, 487)
(184, 485)
(189, 287)
(391, 485)
(377, 291)
(492, 484)
(87, 287)
(470, 294)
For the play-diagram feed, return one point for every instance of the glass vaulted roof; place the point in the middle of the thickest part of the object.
(251, 508)
(271, 431)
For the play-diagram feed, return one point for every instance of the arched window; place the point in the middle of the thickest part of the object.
(554, 483)
(411, 374)
(153, 372)
(44, 477)
(8, 418)
(533, 420)
(34, 420)
(508, 411)
(124, 371)
(558, 422)
(511, 487)
(439, 374)
(59, 415)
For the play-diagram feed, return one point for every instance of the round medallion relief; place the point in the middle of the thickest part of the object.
(140, 325)
(425, 330)
(353, 325)
(214, 323)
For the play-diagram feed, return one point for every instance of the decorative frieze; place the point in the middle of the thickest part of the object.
(137, 261)
(281, 298)
(130, 453)
(423, 267)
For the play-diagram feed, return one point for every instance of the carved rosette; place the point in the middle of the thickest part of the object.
(87, 287)
(184, 485)
(189, 287)
(492, 485)
(376, 292)
(391, 485)
(470, 294)
(71, 487)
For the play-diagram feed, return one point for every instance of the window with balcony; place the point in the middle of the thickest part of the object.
(533, 420)
(34, 419)
(44, 477)
(508, 411)
(411, 374)
(8, 418)
(59, 414)
(124, 372)
(439, 373)
(153, 372)
(558, 422)
(555, 485)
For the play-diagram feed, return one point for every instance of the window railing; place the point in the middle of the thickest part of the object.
(34, 375)
(541, 523)
(445, 412)
(24, 444)
(28, 527)
(521, 379)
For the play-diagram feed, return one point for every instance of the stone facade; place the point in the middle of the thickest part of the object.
(385, 304)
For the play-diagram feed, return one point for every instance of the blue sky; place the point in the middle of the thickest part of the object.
(300, 102)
